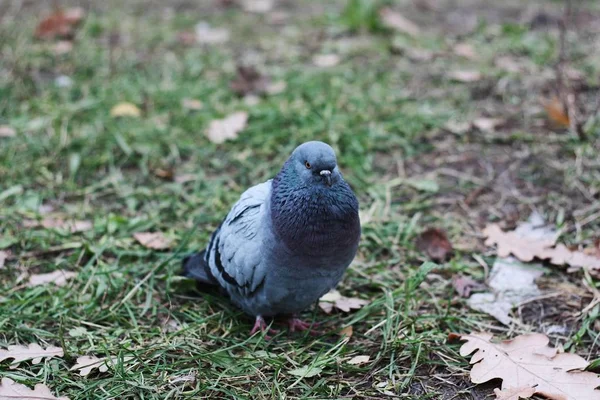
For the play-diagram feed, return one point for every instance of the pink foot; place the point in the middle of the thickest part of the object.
(261, 325)
(296, 324)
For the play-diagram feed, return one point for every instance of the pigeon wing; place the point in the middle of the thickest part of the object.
(234, 252)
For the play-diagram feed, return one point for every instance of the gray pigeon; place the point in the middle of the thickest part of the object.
(286, 242)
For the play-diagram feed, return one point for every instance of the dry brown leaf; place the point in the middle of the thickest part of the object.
(326, 60)
(358, 360)
(9, 389)
(522, 392)
(556, 112)
(153, 240)
(58, 277)
(527, 360)
(334, 299)
(7, 131)
(488, 124)
(61, 24)
(192, 104)
(396, 21)
(435, 244)
(209, 35)
(465, 50)
(125, 110)
(464, 285)
(528, 242)
(249, 81)
(227, 128)
(72, 226)
(347, 332)
(33, 352)
(465, 76)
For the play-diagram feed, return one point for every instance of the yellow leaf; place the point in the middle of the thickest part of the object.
(125, 110)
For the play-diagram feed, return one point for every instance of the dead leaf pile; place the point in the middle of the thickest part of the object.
(435, 244)
(334, 299)
(228, 128)
(153, 240)
(531, 241)
(33, 352)
(9, 389)
(528, 366)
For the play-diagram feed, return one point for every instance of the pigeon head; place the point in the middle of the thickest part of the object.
(314, 163)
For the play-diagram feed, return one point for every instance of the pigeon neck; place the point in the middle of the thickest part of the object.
(314, 220)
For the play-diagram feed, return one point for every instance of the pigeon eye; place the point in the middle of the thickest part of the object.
(307, 165)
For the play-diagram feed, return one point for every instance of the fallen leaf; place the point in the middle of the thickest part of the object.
(3, 257)
(192, 104)
(276, 87)
(527, 360)
(165, 173)
(187, 38)
(6, 131)
(9, 389)
(85, 364)
(306, 371)
(514, 393)
(153, 240)
(125, 110)
(61, 24)
(508, 64)
(511, 283)
(257, 6)
(537, 240)
(435, 244)
(326, 60)
(33, 352)
(488, 124)
(62, 47)
(346, 333)
(187, 379)
(207, 35)
(358, 360)
(465, 50)
(58, 277)
(464, 285)
(457, 127)
(556, 112)
(248, 80)
(227, 128)
(396, 21)
(334, 299)
(72, 226)
(465, 76)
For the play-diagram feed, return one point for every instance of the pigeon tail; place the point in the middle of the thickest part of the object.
(195, 267)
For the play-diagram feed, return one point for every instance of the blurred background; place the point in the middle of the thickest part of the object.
(127, 117)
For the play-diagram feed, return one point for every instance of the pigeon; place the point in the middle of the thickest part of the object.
(286, 242)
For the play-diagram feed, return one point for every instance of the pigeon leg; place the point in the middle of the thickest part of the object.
(296, 324)
(261, 325)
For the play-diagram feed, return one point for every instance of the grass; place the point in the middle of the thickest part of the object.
(383, 111)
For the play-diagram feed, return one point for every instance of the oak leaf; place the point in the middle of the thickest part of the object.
(58, 277)
(33, 352)
(435, 244)
(334, 299)
(528, 361)
(85, 364)
(227, 128)
(10, 389)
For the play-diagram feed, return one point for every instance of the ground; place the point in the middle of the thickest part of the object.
(393, 113)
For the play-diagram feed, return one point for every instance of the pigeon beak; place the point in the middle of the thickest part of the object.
(326, 174)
